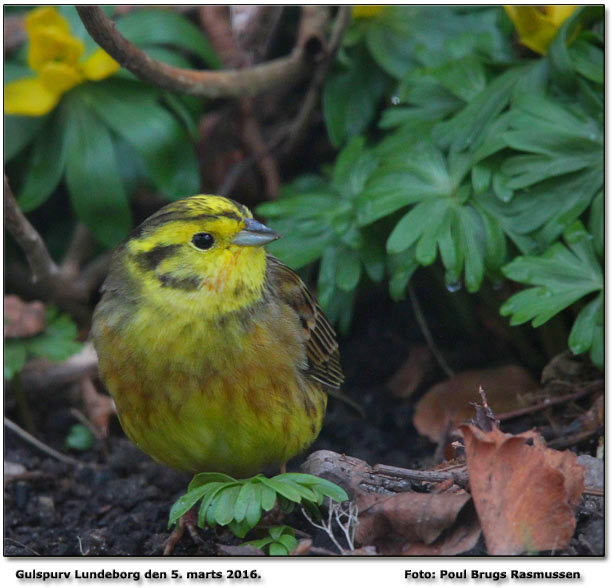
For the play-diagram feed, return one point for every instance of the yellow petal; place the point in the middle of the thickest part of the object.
(29, 97)
(535, 31)
(538, 25)
(558, 13)
(99, 65)
(46, 17)
(366, 11)
(49, 45)
(59, 77)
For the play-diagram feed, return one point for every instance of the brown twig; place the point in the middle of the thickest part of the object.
(77, 251)
(41, 264)
(459, 477)
(563, 442)
(253, 28)
(44, 375)
(226, 27)
(40, 445)
(423, 325)
(252, 136)
(549, 402)
(209, 84)
(301, 122)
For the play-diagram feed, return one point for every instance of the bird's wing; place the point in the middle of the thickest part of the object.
(321, 346)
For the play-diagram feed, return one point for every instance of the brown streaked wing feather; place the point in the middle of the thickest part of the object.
(321, 346)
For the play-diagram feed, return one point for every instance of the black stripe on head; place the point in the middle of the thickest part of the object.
(241, 207)
(189, 283)
(149, 260)
(231, 215)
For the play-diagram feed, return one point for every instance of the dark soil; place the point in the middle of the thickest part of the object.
(118, 503)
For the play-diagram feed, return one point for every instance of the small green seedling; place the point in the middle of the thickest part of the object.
(281, 540)
(238, 504)
(80, 438)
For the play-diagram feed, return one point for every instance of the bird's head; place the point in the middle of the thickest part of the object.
(205, 249)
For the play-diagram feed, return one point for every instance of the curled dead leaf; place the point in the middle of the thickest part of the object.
(394, 518)
(525, 494)
(412, 372)
(448, 403)
(416, 523)
(23, 319)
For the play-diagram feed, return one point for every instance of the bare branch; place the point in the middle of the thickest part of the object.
(41, 264)
(43, 446)
(423, 325)
(78, 249)
(300, 125)
(210, 84)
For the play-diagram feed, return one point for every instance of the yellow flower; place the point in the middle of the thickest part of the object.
(538, 25)
(366, 11)
(53, 55)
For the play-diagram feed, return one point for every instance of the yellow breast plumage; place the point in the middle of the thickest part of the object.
(216, 355)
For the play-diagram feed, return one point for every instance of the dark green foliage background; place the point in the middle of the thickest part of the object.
(459, 147)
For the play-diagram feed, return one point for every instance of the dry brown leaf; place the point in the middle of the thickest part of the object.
(412, 372)
(448, 403)
(525, 494)
(395, 519)
(416, 523)
(23, 319)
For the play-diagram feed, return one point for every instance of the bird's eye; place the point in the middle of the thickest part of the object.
(203, 240)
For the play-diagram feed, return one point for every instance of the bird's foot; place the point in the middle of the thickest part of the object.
(188, 521)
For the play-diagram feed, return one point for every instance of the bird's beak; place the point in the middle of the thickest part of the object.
(255, 234)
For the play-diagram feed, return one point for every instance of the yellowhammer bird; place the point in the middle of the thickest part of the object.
(216, 354)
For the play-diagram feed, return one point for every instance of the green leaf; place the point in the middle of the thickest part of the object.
(253, 513)
(205, 512)
(92, 174)
(349, 270)
(411, 226)
(327, 276)
(269, 497)
(287, 490)
(132, 112)
(561, 276)
(481, 176)
(587, 60)
(58, 341)
(224, 504)
(596, 223)
(166, 27)
(249, 493)
(46, 165)
(402, 267)
(184, 503)
(584, 329)
(14, 357)
(207, 477)
(240, 529)
(467, 128)
(275, 548)
(352, 168)
(558, 52)
(19, 131)
(385, 193)
(425, 253)
(464, 77)
(471, 239)
(80, 438)
(288, 541)
(350, 98)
